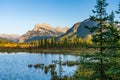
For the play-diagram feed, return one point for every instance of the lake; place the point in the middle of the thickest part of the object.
(15, 66)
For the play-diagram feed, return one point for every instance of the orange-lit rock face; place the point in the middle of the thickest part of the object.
(43, 30)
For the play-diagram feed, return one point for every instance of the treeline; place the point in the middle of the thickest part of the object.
(62, 45)
(14, 45)
(74, 42)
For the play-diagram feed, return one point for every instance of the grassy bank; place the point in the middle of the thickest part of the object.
(75, 51)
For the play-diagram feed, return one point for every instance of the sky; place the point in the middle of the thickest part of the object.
(19, 16)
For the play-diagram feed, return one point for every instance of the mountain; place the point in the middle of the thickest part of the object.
(42, 31)
(78, 29)
(3, 40)
(11, 37)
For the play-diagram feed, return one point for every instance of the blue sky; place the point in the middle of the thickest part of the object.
(19, 16)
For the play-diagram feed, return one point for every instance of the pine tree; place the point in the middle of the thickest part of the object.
(114, 61)
(118, 11)
(100, 17)
(106, 37)
(112, 38)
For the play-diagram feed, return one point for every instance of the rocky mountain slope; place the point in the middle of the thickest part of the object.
(3, 40)
(79, 29)
(42, 31)
(11, 37)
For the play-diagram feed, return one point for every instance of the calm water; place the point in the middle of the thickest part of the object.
(15, 66)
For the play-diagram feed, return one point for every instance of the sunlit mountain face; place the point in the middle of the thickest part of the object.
(42, 31)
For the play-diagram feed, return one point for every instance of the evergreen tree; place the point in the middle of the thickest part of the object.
(112, 38)
(100, 17)
(106, 37)
(118, 11)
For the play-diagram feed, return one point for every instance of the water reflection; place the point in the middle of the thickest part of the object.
(15, 66)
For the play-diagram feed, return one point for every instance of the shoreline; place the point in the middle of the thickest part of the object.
(71, 51)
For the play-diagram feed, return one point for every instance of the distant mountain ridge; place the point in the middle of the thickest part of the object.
(79, 29)
(10, 37)
(42, 31)
(3, 40)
